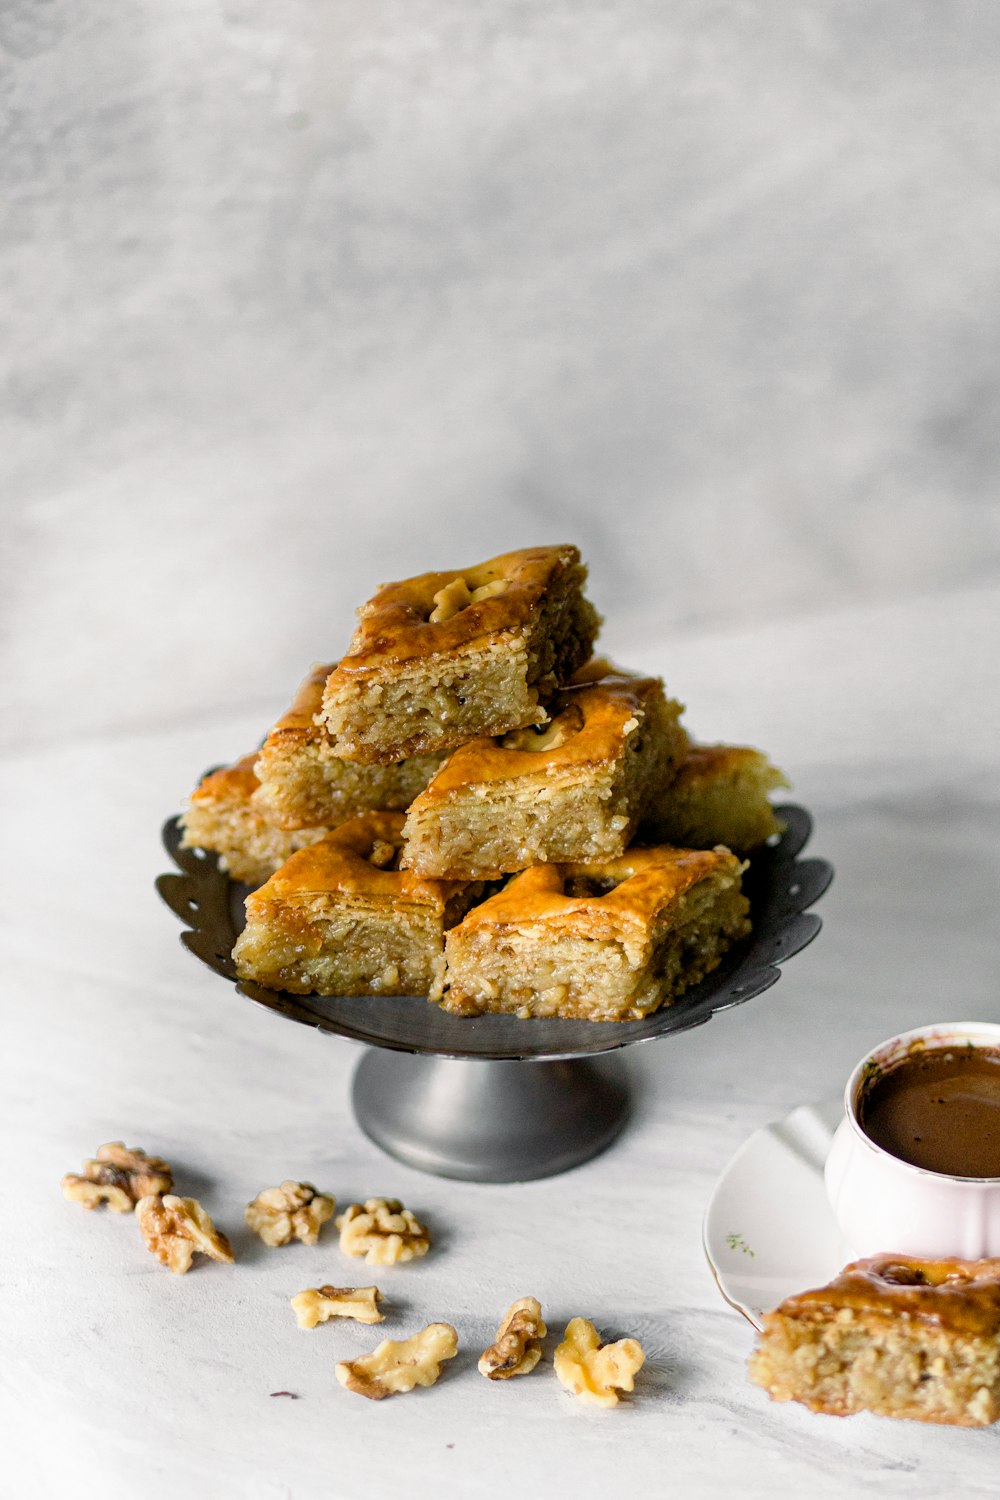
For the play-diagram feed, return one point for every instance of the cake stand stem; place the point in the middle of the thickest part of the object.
(489, 1121)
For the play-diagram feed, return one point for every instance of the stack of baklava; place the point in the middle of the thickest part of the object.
(469, 806)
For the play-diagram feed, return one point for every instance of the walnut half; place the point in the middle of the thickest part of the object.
(118, 1176)
(517, 1350)
(457, 595)
(176, 1228)
(319, 1303)
(398, 1366)
(592, 1372)
(292, 1211)
(383, 1231)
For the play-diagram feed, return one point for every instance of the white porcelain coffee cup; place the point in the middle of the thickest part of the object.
(885, 1205)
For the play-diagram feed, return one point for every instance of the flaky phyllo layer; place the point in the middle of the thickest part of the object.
(421, 678)
(574, 958)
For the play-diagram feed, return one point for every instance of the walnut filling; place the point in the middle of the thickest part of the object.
(457, 595)
(592, 886)
(546, 736)
(384, 856)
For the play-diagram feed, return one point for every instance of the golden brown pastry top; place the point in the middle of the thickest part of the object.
(237, 782)
(704, 764)
(395, 624)
(962, 1296)
(297, 724)
(307, 700)
(587, 726)
(640, 883)
(357, 859)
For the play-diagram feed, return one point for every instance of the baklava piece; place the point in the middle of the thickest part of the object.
(225, 817)
(891, 1335)
(340, 918)
(304, 782)
(448, 657)
(719, 796)
(598, 942)
(572, 790)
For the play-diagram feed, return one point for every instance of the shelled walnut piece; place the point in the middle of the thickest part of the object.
(517, 1350)
(397, 1366)
(175, 1229)
(118, 1176)
(383, 1231)
(293, 1211)
(457, 595)
(594, 1372)
(320, 1303)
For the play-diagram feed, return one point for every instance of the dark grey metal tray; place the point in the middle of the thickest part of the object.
(491, 1119)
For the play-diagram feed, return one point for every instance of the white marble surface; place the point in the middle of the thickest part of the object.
(118, 1380)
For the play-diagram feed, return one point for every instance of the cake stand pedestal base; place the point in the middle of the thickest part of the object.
(489, 1121)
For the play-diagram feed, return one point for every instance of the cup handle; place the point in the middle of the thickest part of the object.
(836, 1164)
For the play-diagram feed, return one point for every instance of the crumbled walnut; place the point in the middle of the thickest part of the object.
(395, 1367)
(118, 1177)
(546, 736)
(317, 1304)
(383, 855)
(383, 1231)
(457, 595)
(176, 1228)
(594, 1373)
(293, 1211)
(516, 1351)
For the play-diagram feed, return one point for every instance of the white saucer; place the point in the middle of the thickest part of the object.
(769, 1230)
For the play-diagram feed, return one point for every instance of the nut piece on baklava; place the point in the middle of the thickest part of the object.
(610, 941)
(225, 817)
(891, 1335)
(304, 782)
(448, 657)
(340, 918)
(719, 796)
(572, 790)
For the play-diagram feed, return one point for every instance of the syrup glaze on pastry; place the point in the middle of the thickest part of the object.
(894, 1335)
(347, 921)
(396, 622)
(610, 941)
(443, 658)
(575, 789)
(587, 726)
(304, 782)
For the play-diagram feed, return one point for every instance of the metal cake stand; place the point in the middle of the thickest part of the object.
(494, 1098)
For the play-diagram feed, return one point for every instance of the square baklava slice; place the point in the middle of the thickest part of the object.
(608, 941)
(449, 657)
(304, 782)
(571, 790)
(891, 1335)
(719, 795)
(224, 816)
(340, 918)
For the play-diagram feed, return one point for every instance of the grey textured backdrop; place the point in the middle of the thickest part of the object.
(300, 296)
